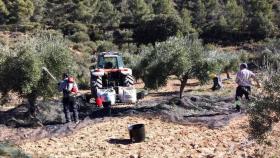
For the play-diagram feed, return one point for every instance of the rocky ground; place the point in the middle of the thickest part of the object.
(202, 124)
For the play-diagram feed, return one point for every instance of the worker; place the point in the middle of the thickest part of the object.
(243, 80)
(70, 89)
(217, 83)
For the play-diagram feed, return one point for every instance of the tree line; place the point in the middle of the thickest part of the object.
(147, 21)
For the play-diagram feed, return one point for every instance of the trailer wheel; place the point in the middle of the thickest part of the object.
(129, 80)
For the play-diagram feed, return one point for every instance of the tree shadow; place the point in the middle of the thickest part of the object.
(122, 111)
(194, 84)
(120, 141)
(10, 117)
(163, 94)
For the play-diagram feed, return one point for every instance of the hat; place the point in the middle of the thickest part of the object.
(243, 65)
(65, 75)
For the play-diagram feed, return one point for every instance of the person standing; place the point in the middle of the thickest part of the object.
(69, 88)
(243, 80)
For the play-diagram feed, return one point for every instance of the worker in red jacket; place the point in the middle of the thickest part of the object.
(69, 88)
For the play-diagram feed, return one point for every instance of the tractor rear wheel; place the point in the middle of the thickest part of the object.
(96, 84)
(129, 80)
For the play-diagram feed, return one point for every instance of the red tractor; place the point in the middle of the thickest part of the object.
(111, 81)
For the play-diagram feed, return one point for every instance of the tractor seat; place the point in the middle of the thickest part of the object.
(109, 65)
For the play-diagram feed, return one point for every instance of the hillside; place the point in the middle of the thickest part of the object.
(122, 23)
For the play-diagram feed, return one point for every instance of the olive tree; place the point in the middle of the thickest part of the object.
(21, 67)
(225, 61)
(265, 109)
(183, 57)
(134, 60)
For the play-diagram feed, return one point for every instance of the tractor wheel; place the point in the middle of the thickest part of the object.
(96, 84)
(129, 81)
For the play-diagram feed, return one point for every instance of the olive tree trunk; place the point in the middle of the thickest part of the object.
(184, 82)
(32, 99)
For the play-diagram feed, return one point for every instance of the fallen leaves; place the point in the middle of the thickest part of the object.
(163, 140)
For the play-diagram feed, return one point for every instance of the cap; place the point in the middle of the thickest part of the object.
(244, 65)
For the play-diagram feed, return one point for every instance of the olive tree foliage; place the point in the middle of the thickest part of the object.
(225, 62)
(269, 58)
(183, 57)
(265, 108)
(22, 62)
(134, 60)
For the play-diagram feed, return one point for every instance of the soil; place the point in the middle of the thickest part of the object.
(199, 125)
(110, 138)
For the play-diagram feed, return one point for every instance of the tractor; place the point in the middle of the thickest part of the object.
(111, 82)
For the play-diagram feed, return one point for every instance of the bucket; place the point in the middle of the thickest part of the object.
(137, 133)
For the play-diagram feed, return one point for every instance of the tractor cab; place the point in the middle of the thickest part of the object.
(110, 70)
(109, 60)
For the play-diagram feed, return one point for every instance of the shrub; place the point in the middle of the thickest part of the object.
(8, 150)
(84, 48)
(21, 27)
(72, 28)
(80, 37)
(105, 46)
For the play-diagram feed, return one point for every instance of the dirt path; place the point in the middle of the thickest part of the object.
(164, 139)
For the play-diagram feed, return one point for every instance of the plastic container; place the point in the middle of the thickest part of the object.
(98, 102)
(136, 133)
(107, 95)
(127, 94)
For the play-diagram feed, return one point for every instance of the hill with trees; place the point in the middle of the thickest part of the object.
(124, 22)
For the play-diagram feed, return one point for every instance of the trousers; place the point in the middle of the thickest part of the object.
(242, 90)
(70, 105)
